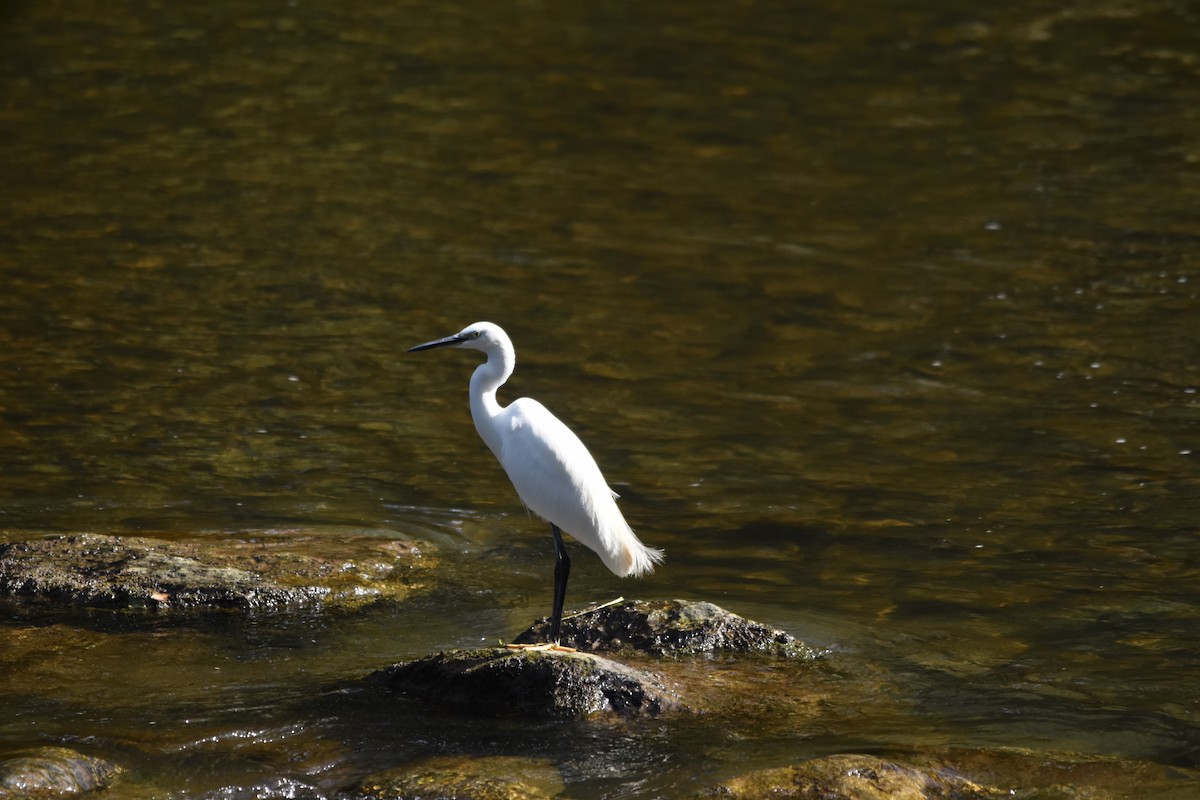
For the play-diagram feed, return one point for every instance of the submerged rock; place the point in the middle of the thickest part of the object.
(1025, 773)
(463, 778)
(249, 571)
(540, 684)
(962, 775)
(54, 772)
(281, 788)
(852, 777)
(668, 627)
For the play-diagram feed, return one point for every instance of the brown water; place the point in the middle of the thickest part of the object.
(882, 319)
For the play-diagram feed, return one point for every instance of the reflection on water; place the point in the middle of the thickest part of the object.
(881, 322)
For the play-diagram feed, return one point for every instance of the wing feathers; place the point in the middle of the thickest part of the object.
(557, 478)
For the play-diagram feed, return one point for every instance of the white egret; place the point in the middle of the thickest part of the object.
(553, 473)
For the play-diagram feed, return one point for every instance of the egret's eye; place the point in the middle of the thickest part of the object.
(474, 334)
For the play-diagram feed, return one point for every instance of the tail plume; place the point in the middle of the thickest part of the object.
(640, 559)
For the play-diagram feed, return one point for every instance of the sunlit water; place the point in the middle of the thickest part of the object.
(882, 320)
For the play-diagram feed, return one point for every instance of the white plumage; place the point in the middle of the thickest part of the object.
(551, 469)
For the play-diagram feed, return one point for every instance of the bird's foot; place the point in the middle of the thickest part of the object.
(542, 647)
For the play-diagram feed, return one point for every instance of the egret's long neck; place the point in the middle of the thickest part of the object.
(487, 378)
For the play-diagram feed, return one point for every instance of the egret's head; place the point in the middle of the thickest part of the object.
(484, 336)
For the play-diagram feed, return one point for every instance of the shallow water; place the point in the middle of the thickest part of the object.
(881, 320)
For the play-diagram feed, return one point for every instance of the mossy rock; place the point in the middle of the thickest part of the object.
(962, 774)
(463, 778)
(54, 772)
(666, 628)
(852, 777)
(254, 571)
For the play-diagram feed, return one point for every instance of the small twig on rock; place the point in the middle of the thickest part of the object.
(594, 609)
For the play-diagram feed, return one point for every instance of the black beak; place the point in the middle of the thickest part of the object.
(446, 342)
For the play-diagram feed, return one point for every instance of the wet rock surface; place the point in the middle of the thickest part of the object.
(46, 772)
(538, 684)
(964, 775)
(668, 627)
(463, 778)
(262, 570)
(852, 777)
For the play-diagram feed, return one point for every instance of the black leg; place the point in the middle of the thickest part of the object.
(562, 571)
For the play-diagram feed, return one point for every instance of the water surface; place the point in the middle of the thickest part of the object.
(881, 320)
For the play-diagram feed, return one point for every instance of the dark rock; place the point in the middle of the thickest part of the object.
(54, 772)
(668, 627)
(540, 684)
(249, 571)
(463, 778)
(853, 777)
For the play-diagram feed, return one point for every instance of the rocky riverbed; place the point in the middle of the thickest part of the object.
(674, 663)
(252, 571)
